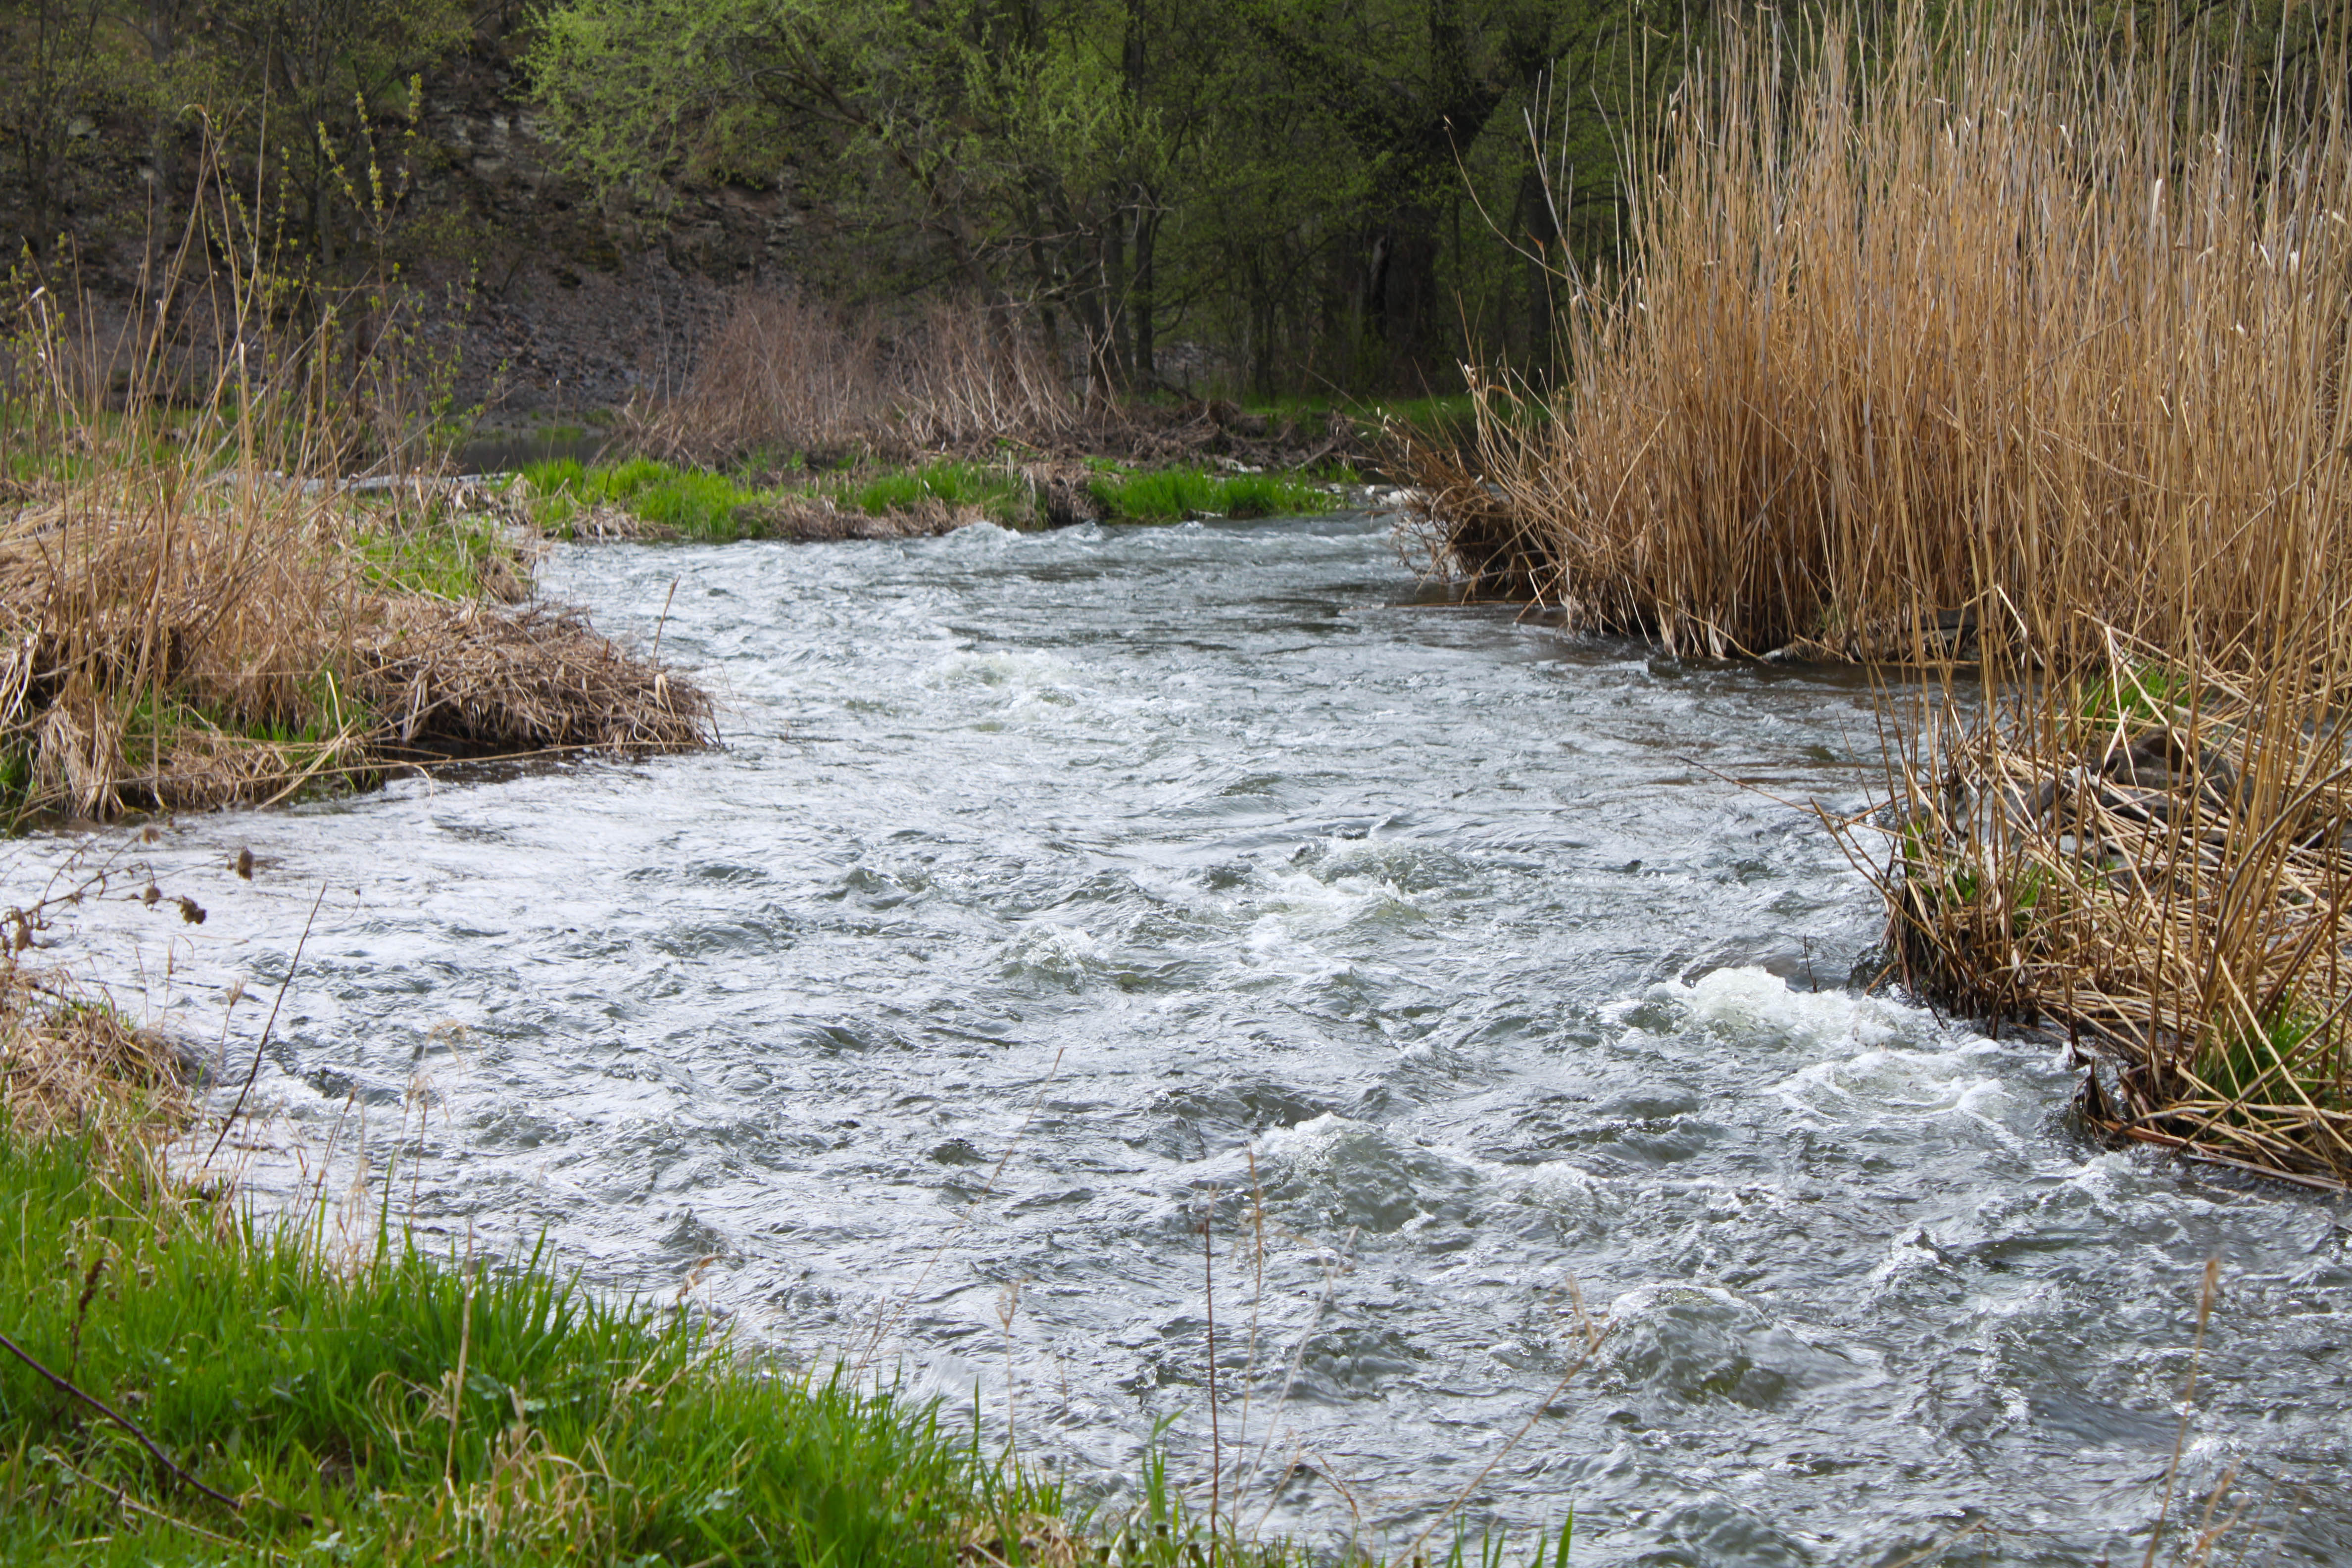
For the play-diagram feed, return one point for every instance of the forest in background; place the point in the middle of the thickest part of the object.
(1261, 198)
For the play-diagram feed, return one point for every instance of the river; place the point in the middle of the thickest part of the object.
(1053, 893)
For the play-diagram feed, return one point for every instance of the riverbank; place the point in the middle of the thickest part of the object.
(642, 499)
(2082, 457)
(182, 632)
(187, 1383)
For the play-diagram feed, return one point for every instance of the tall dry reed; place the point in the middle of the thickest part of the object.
(2007, 315)
(2013, 344)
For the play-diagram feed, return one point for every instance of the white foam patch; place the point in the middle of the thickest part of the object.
(1755, 1004)
(1308, 1141)
(1065, 951)
(1006, 669)
(978, 539)
(1887, 1086)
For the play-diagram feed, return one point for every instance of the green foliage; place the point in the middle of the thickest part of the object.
(1002, 497)
(1948, 880)
(332, 1400)
(2135, 695)
(697, 504)
(1170, 494)
(1285, 177)
(442, 555)
(2272, 1065)
(708, 506)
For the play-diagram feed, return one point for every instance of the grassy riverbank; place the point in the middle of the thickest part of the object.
(641, 497)
(1998, 347)
(189, 1385)
(228, 1389)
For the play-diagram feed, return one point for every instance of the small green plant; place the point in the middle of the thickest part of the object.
(2267, 1064)
(1170, 495)
(1000, 496)
(2132, 697)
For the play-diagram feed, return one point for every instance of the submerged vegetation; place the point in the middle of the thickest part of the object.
(1996, 343)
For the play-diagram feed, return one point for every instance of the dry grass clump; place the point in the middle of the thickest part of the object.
(174, 645)
(2155, 856)
(786, 375)
(71, 1064)
(467, 680)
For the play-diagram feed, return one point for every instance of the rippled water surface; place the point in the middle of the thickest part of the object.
(1055, 892)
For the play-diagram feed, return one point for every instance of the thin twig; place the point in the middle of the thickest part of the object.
(67, 1386)
(263, 1044)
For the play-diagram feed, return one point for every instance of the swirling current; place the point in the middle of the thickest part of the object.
(1068, 915)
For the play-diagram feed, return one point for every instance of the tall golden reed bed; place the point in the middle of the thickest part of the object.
(2017, 354)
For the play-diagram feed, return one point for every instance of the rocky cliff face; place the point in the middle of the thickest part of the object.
(553, 302)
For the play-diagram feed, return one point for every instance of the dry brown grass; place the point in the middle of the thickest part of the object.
(2024, 347)
(785, 375)
(178, 646)
(2155, 858)
(69, 1064)
(2006, 316)
(182, 625)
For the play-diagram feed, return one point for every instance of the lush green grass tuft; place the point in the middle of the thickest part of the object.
(698, 505)
(709, 506)
(443, 557)
(1002, 497)
(1170, 494)
(408, 1409)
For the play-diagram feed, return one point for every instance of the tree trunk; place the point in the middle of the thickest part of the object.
(1142, 304)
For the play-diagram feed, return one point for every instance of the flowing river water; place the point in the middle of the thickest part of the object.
(1055, 894)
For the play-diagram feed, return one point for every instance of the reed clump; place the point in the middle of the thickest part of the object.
(2154, 855)
(2006, 344)
(2003, 310)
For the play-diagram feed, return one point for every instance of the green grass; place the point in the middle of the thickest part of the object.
(2137, 696)
(408, 1410)
(404, 1408)
(1002, 497)
(698, 505)
(442, 556)
(708, 506)
(1170, 494)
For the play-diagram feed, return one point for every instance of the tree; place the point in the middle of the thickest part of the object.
(53, 63)
(300, 84)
